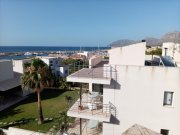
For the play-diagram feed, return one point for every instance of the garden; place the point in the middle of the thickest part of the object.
(24, 114)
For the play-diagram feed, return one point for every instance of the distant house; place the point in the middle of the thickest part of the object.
(77, 56)
(86, 54)
(54, 63)
(56, 66)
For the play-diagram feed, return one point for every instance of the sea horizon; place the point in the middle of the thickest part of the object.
(11, 49)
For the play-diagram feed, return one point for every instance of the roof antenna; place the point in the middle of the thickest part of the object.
(80, 48)
(98, 49)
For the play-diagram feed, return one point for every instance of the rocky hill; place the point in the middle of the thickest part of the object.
(150, 41)
(172, 37)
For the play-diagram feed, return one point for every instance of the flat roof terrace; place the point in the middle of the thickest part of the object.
(90, 75)
(10, 83)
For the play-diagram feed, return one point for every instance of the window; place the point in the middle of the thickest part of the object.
(168, 97)
(58, 73)
(66, 72)
(164, 132)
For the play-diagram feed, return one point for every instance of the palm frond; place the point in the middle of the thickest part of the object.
(37, 75)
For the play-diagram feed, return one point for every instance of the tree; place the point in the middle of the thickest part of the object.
(64, 84)
(62, 122)
(69, 100)
(37, 76)
(157, 51)
(2, 132)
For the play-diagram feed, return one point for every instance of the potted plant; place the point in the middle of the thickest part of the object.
(80, 107)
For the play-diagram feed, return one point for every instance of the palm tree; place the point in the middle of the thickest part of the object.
(64, 84)
(62, 122)
(68, 99)
(37, 76)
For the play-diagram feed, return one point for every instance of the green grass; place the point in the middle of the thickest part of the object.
(53, 101)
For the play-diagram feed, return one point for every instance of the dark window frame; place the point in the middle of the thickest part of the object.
(165, 96)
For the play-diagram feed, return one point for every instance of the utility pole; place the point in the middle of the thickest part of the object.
(80, 95)
(98, 49)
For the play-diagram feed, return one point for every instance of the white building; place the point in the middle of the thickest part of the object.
(10, 89)
(173, 50)
(86, 54)
(129, 93)
(8, 78)
(56, 66)
(18, 65)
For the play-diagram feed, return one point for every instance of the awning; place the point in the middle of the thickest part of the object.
(139, 130)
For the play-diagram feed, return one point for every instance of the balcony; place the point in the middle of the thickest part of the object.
(90, 107)
(91, 75)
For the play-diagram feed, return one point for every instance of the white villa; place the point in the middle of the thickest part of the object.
(55, 63)
(126, 94)
(56, 66)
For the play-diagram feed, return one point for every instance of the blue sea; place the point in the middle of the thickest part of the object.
(45, 48)
(13, 49)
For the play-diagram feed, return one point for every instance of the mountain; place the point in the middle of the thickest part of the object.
(172, 37)
(122, 42)
(150, 41)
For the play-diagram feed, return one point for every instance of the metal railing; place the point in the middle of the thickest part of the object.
(97, 72)
(72, 68)
(91, 108)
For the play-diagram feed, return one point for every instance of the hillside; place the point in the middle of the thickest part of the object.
(150, 41)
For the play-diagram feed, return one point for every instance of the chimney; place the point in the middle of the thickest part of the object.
(165, 51)
(143, 40)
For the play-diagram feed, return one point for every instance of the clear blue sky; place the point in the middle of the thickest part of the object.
(85, 22)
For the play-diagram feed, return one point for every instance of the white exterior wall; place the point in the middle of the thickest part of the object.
(45, 61)
(139, 99)
(128, 55)
(93, 61)
(55, 61)
(55, 64)
(177, 53)
(170, 48)
(18, 65)
(173, 50)
(85, 53)
(6, 70)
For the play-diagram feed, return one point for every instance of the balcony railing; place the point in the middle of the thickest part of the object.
(102, 69)
(90, 108)
(105, 72)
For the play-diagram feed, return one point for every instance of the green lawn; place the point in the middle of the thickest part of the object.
(53, 101)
